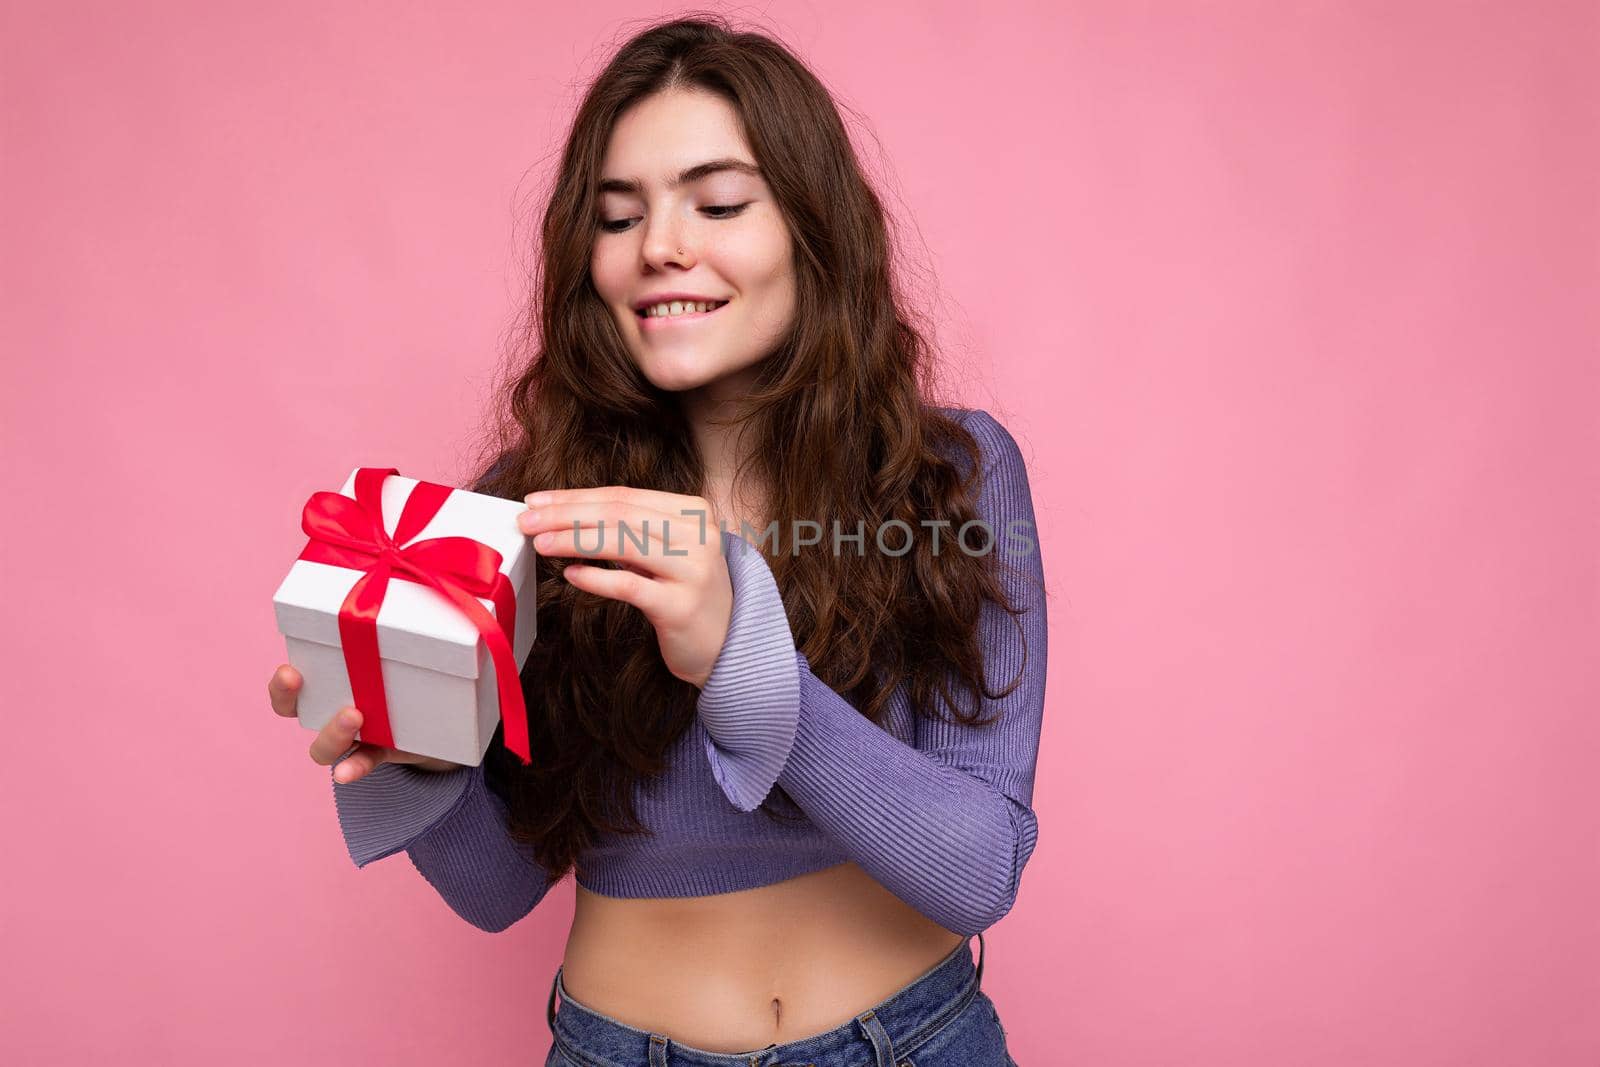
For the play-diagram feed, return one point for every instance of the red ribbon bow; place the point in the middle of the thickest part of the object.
(349, 533)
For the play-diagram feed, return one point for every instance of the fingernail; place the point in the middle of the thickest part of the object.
(347, 718)
(533, 500)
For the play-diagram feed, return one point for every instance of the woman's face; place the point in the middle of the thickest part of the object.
(717, 236)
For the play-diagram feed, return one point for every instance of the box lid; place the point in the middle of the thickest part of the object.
(416, 623)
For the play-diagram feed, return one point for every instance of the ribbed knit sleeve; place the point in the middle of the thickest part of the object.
(750, 705)
(945, 824)
(454, 828)
(392, 805)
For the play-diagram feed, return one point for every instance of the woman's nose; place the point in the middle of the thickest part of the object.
(663, 244)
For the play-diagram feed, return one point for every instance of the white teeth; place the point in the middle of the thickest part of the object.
(681, 307)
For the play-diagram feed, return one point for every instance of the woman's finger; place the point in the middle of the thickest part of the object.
(648, 543)
(630, 587)
(648, 525)
(336, 737)
(591, 545)
(359, 763)
(655, 499)
(283, 689)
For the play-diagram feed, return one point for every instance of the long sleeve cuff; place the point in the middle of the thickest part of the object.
(392, 805)
(469, 857)
(942, 839)
(455, 829)
(750, 705)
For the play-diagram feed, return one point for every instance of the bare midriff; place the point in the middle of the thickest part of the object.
(736, 972)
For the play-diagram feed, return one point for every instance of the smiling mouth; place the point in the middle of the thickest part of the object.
(644, 316)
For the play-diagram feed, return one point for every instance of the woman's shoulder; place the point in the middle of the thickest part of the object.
(998, 448)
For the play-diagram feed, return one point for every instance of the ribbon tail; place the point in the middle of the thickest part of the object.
(358, 636)
(513, 712)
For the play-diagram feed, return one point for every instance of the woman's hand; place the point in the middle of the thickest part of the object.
(679, 579)
(334, 739)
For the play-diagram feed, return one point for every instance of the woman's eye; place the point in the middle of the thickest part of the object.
(722, 211)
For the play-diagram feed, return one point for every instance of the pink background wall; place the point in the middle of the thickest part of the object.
(1293, 308)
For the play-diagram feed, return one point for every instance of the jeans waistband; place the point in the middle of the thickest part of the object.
(891, 1029)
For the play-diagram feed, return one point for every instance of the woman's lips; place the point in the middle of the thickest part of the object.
(657, 322)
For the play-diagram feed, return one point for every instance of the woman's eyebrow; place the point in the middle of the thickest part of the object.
(692, 174)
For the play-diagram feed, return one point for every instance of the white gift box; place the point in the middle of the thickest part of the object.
(438, 676)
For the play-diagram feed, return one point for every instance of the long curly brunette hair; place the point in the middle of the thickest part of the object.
(839, 428)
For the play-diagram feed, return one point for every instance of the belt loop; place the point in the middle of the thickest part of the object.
(658, 1050)
(550, 1008)
(882, 1047)
(978, 981)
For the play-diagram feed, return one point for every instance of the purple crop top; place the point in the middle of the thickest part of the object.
(939, 814)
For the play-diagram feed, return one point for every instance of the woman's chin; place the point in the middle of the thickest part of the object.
(675, 377)
(690, 374)
(677, 382)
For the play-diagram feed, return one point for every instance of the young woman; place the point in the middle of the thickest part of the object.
(792, 777)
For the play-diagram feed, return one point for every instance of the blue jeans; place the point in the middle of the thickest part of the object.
(940, 1020)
